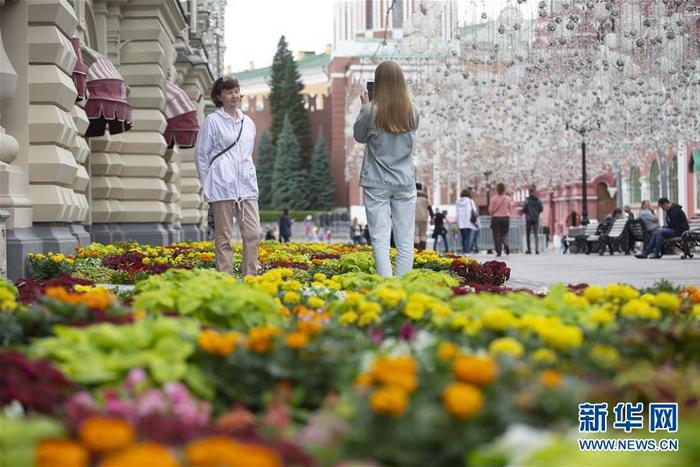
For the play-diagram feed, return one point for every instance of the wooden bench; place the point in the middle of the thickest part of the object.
(577, 235)
(689, 238)
(615, 238)
(638, 233)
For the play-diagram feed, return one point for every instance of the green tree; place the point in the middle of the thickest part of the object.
(278, 97)
(289, 178)
(265, 165)
(322, 193)
(296, 111)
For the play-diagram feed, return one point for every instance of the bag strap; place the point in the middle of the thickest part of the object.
(240, 131)
(500, 205)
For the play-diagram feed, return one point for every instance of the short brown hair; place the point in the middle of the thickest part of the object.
(221, 84)
(500, 188)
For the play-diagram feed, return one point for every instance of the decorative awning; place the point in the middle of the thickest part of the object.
(182, 117)
(79, 71)
(106, 104)
(696, 160)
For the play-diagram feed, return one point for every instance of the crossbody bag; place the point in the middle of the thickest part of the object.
(240, 131)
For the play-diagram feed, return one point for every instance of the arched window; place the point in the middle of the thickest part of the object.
(654, 182)
(635, 186)
(673, 179)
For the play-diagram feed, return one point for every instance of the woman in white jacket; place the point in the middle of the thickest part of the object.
(224, 160)
(467, 215)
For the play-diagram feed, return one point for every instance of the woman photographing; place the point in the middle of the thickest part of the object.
(387, 126)
(224, 160)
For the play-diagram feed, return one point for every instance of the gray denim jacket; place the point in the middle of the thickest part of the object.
(388, 160)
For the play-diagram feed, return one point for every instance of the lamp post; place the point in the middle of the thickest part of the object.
(487, 174)
(582, 130)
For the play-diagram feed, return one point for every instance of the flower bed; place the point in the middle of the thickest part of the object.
(322, 364)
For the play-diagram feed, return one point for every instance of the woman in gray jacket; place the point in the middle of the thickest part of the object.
(387, 126)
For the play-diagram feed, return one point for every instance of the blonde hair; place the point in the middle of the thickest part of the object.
(391, 101)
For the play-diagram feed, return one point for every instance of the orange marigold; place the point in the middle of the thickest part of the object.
(474, 369)
(141, 455)
(389, 400)
(447, 350)
(551, 379)
(223, 451)
(102, 434)
(62, 295)
(462, 400)
(218, 344)
(296, 340)
(60, 453)
(260, 339)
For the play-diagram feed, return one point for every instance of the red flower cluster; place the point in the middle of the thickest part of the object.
(37, 385)
(31, 290)
(321, 255)
(489, 273)
(131, 261)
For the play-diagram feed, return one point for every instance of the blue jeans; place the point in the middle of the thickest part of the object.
(657, 241)
(467, 242)
(387, 208)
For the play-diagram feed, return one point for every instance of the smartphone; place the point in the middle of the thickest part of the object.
(370, 89)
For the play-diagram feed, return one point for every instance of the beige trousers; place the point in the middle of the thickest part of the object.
(246, 212)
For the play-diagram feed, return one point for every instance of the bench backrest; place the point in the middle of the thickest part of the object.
(637, 228)
(591, 228)
(694, 223)
(617, 228)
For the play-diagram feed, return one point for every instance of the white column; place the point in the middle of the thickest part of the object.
(682, 174)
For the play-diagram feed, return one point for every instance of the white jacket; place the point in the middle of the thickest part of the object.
(465, 206)
(231, 176)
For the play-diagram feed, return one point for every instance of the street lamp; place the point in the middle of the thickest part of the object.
(487, 174)
(582, 130)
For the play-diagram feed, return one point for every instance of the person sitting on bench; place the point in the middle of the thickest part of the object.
(676, 224)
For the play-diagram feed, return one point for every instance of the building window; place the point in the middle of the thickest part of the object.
(654, 182)
(245, 105)
(260, 103)
(397, 14)
(368, 15)
(635, 186)
(673, 179)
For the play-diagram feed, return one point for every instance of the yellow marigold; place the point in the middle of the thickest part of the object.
(363, 380)
(291, 285)
(620, 292)
(543, 356)
(479, 370)
(103, 434)
(667, 301)
(60, 453)
(370, 307)
(462, 400)
(551, 379)
(396, 371)
(141, 455)
(601, 316)
(562, 337)
(348, 317)
(389, 400)
(260, 339)
(309, 326)
(695, 311)
(499, 319)
(649, 298)
(390, 296)
(441, 309)
(296, 340)
(291, 298)
(638, 308)
(368, 318)
(472, 328)
(224, 451)
(319, 277)
(414, 310)
(605, 355)
(573, 299)
(459, 321)
(98, 300)
(506, 346)
(447, 350)
(315, 302)
(594, 293)
(218, 344)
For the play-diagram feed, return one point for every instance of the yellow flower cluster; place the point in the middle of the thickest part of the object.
(506, 346)
(359, 310)
(97, 298)
(418, 304)
(463, 399)
(216, 343)
(271, 281)
(50, 256)
(397, 379)
(640, 308)
(430, 256)
(8, 293)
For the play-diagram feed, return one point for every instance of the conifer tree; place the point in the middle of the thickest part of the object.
(294, 108)
(322, 192)
(265, 164)
(278, 97)
(289, 179)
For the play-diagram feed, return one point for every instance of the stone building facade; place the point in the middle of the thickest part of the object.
(99, 107)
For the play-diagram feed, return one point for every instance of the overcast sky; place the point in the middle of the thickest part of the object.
(253, 27)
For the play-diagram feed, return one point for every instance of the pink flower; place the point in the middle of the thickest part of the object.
(119, 408)
(136, 377)
(150, 402)
(176, 392)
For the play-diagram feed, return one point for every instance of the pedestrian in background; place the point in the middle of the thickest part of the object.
(387, 127)
(424, 215)
(500, 208)
(440, 230)
(356, 232)
(532, 207)
(466, 220)
(285, 226)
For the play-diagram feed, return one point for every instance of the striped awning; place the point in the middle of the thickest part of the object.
(79, 71)
(181, 115)
(106, 104)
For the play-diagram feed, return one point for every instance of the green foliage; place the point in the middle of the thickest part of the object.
(289, 179)
(213, 298)
(265, 164)
(19, 436)
(92, 269)
(105, 353)
(322, 194)
(278, 100)
(296, 112)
